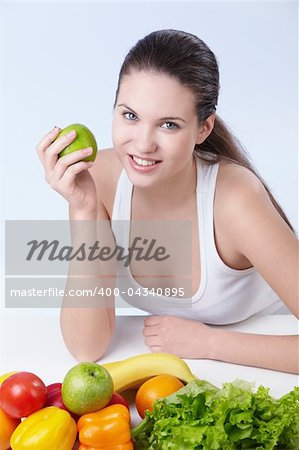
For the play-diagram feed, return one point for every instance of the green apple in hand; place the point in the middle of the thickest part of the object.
(87, 387)
(84, 138)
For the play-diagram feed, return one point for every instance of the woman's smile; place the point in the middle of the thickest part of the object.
(143, 165)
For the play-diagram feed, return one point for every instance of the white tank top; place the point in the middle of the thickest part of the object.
(225, 295)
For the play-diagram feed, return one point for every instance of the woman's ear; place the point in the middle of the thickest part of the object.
(206, 129)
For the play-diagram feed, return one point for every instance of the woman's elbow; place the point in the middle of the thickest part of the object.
(88, 356)
(89, 353)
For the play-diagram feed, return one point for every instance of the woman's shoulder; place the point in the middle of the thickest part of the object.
(239, 192)
(235, 180)
(106, 172)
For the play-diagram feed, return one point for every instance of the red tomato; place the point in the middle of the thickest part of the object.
(118, 399)
(22, 394)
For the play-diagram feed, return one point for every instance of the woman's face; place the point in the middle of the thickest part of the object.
(155, 127)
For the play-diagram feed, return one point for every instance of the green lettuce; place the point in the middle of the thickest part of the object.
(202, 417)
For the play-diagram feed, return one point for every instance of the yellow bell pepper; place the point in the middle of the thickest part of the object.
(108, 428)
(48, 428)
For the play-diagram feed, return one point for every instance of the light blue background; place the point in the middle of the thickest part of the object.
(60, 64)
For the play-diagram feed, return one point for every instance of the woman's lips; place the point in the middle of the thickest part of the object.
(143, 169)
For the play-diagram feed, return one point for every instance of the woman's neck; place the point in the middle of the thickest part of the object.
(171, 194)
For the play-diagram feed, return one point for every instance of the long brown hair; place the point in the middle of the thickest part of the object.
(189, 60)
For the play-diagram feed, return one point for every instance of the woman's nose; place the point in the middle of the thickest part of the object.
(145, 142)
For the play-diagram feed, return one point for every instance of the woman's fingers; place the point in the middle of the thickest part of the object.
(51, 153)
(153, 341)
(65, 161)
(61, 172)
(155, 348)
(46, 142)
(150, 331)
(152, 320)
(67, 184)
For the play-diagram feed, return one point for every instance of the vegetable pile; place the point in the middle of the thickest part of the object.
(202, 417)
(87, 412)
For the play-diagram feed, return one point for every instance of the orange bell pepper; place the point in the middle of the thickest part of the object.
(108, 428)
(7, 427)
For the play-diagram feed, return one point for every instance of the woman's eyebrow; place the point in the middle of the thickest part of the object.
(161, 118)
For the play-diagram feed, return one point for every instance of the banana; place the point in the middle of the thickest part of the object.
(132, 372)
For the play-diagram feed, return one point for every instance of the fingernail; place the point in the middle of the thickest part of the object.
(70, 134)
(87, 151)
(55, 129)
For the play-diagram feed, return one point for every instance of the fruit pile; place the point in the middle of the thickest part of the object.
(86, 407)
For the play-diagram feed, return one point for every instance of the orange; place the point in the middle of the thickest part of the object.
(154, 389)
(7, 427)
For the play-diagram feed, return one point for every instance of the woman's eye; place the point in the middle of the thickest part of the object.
(129, 115)
(170, 125)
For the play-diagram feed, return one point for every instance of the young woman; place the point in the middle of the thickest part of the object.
(173, 159)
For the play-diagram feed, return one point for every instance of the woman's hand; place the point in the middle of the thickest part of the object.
(191, 339)
(68, 175)
(182, 337)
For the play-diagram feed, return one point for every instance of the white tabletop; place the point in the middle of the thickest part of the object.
(35, 344)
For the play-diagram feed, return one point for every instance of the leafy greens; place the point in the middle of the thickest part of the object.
(202, 417)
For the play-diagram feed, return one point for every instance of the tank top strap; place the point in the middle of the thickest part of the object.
(207, 176)
(122, 200)
(206, 186)
(121, 213)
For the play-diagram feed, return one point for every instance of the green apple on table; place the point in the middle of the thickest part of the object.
(87, 387)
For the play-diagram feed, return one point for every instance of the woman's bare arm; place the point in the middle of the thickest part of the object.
(258, 350)
(88, 322)
(262, 236)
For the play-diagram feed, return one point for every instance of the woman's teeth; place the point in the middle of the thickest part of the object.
(143, 162)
